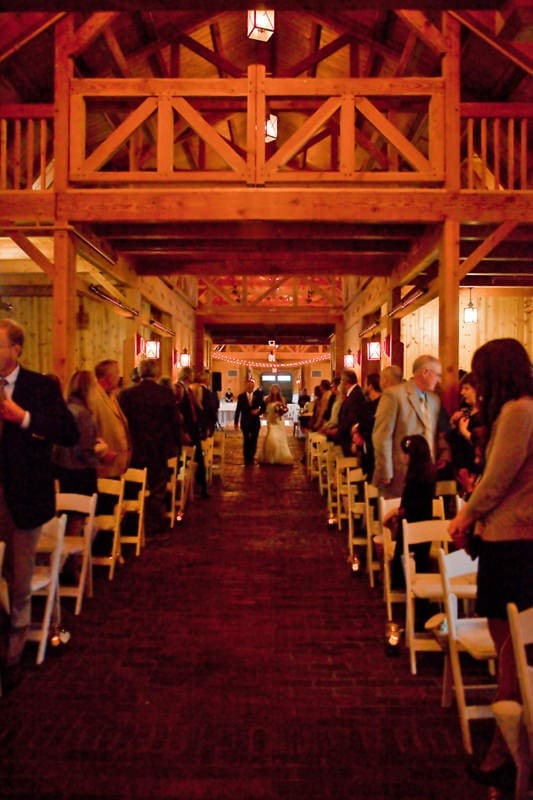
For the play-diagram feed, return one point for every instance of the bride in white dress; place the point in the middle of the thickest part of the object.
(276, 447)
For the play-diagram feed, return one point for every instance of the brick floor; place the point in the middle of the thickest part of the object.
(243, 661)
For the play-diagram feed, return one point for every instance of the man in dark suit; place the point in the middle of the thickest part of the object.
(248, 412)
(353, 411)
(33, 417)
(153, 421)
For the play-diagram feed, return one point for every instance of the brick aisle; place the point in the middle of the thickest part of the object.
(243, 661)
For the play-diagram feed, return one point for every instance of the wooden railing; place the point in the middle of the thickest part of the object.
(26, 147)
(368, 130)
(494, 141)
(495, 146)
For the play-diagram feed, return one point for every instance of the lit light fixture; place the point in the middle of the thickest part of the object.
(260, 25)
(272, 356)
(185, 358)
(271, 128)
(470, 312)
(152, 348)
(127, 311)
(393, 637)
(349, 359)
(409, 298)
(373, 351)
(158, 326)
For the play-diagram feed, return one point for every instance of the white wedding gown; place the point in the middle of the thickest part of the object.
(276, 447)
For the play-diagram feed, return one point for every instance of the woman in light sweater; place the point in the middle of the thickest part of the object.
(501, 507)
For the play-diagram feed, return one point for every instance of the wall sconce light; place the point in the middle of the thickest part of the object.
(185, 358)
(272, 356)
(349, 359)
(373, 351)
(271, 128)
(260, 25)
(152, 348)
(470, 312)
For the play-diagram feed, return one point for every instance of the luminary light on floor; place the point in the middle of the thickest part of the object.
(393, 638)
(260, 25)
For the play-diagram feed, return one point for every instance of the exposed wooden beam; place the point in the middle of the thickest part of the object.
(485, 247)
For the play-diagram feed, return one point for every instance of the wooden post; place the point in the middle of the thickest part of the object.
(64, 306)
(198, 360)
(449, 305)
(339, 346)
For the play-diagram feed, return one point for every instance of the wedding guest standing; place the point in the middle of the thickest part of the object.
(407, 408)
(153, 421)
(33, 417)
(75, 467)
(110, 421)
(248, 412)
(501, 508)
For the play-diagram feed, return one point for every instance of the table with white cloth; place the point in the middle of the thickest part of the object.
(226, 413)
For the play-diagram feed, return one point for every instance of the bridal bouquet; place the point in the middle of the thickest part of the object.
(281, 409)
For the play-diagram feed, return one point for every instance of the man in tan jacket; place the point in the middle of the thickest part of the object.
(111, 423)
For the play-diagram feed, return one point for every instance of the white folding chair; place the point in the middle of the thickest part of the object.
(420, 585)
(313, 438)
(137, 478)
(172, 487)
(356, 514)
(515, 719)
(114, 490)
(79, 544)
(185, 480)
(44, 583)
(331, 466)
(207, 451)
(385, 506)
(323, 448)
(465, 635)
(372, 528)
(343, 465)
(219, 452)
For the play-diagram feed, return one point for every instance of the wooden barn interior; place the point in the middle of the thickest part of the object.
(363, 176)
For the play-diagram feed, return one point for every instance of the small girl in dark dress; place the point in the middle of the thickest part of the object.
(416, 504)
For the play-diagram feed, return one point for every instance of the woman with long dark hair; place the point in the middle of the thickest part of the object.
(416, 503)
(501, 509)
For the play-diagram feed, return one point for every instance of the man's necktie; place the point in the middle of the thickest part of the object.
(428, 432)
(3, 396)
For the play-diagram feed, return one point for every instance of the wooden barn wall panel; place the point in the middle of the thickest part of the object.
(35, 316)
(497, 317)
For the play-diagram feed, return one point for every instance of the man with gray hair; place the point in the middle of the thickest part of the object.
(390, 376)
(407, 408)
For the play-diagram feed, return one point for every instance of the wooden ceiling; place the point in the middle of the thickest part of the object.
(239, 262)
